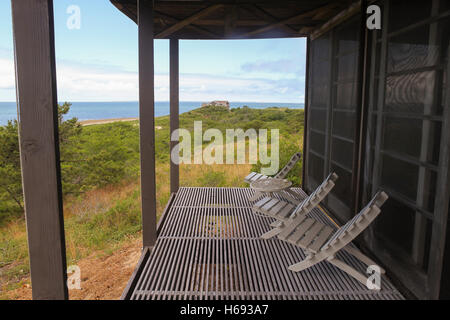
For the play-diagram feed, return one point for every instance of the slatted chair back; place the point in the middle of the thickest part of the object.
(253, 176)
(343, 237)
(291, 219)
(288, 167)
(360, 221)
(316, 196)
(283, 210)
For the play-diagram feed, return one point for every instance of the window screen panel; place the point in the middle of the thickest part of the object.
(400, 176)
(319, 96)
(412, 50)
(343, 189)
(347, 39)
(403, 159)
(396, 224)
(333, 96)
(320, 72)
(403, 135)
(315, 170)
(317, 142)
(345, 131)
(426, 199)
(318, 119)
(346, 96)
(411, 93)
(444, 5)
(343, 117)
(347, 66)
(378, 58)
(321, 48)
(403, 13)
(342, 152)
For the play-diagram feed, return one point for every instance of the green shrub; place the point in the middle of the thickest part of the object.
(213, 179)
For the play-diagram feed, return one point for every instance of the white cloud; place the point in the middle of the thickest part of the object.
(83, 83)
(78, 82)
(6, 74)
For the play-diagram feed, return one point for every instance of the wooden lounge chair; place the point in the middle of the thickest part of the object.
(284, 211)
(253, 176)
(320, 243)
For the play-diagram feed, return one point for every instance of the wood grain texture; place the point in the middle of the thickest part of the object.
(337, 20)
(174, 111)
(236, 19)
(188, 21)
(147, 121)
(39, 150)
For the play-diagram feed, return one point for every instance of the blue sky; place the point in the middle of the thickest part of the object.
(99, 61)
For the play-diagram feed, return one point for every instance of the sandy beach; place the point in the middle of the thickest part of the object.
(104, 121)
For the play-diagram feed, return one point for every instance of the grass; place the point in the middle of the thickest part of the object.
(101, 219)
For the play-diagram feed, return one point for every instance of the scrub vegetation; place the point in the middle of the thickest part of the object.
(100, 176)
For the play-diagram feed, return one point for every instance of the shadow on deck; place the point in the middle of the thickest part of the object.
(209, 248)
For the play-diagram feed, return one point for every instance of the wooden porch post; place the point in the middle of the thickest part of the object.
(147, 121)
(174, 112)
(39, 148)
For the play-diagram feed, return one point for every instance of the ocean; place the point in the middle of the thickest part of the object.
(111, 110)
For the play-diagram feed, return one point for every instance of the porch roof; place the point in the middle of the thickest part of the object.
(246, 19)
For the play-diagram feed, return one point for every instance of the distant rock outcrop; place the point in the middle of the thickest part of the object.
(217, 103)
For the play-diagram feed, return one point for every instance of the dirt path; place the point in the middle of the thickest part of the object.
(102, 278)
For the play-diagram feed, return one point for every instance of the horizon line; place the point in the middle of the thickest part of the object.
(169, 101)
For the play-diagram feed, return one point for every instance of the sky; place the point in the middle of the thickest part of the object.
(99, 61)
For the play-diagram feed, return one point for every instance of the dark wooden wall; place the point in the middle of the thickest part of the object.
(402, 137)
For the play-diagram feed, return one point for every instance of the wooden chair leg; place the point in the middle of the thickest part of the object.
(272, 233)
(362, 257)
(276, 224)
(348, 269)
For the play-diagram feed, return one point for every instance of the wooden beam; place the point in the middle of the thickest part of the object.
(174, 112)
(195, 28)
(262, 14)
(147, 121)
(288, 20)
(307, 103)
(33, 29)
(305, 30)
(231, 18)
(323, 14)
(361, 132)
(241, 23)
(337, 19)
(188, 21)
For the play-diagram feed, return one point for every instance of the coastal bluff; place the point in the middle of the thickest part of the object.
(217, 103)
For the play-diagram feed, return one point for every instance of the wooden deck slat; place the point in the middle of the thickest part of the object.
(210, 248)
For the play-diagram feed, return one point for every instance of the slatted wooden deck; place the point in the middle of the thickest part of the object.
(209, 248)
